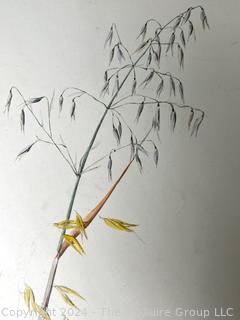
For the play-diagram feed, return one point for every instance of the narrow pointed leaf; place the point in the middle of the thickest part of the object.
(143, 32)
(124, 223)
(149, 57)
(25, 150)
(196, 125)
(171, 43)
(35, 100)
(120, 54)
(60, 103)
(182, 38)
(116, 85)
(147, 80)
(142, 149)
(173, 119)
(9, 101)
(187, 15)
(80, 224)
(105, 76)
(139, 162)
(29, 298)
(109, 37)
(180, 57)
(73, 242)
(156, 57)
(155, 155)
(177, 22)
(73, 110)
(156, 119)
(44, 315)
(105, 88)
(65, 224)
(181, 90)
(22, 120)
(69, 291)
(66, 298)
(172, 85)
(160, 88)
(116, 134)
(134, 86)
(116, 225)
(119, 129)
(140, 110)
(190, 29)
(109, 168)
(111, 55)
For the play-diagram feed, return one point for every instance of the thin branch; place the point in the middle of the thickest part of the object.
(49, 113)
(156, 21)
(69, 154)
(105, 156)
(118, 70)
(43, 128)
(84, 92)
(49, 142)
(155, 101)
(158, 73)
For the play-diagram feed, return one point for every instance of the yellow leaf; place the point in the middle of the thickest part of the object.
(73, 242)
(66, 298)
(116, 225)
(65, 224)
(29, 298)
(80, 224)
(42, 312)
(126, 224)
(64, 289)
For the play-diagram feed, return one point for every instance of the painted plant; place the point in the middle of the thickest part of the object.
(126, 85)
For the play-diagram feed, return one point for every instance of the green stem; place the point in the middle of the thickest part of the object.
(82, 163)
(79, 175)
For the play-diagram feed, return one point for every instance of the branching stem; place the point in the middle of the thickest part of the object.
(44, 129)
(84, 159)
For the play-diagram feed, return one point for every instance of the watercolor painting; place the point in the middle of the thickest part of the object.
(104, 136)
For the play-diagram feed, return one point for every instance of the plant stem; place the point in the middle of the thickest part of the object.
(50, 282)
(82, 166)
(54, 266)
(82, 163)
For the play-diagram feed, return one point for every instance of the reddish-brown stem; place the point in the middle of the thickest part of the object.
(94, 212)
(75, 232)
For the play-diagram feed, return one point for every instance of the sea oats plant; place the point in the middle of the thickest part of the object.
(126, 85)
